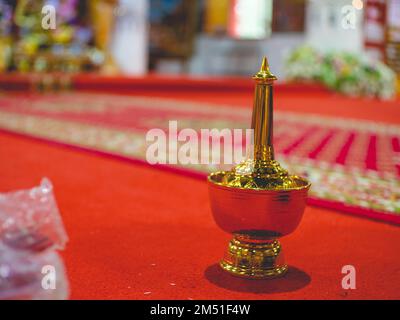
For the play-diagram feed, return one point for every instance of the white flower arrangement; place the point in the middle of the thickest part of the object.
(349, 73)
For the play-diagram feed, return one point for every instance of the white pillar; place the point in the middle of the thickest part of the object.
(130, 37)
(334, 25)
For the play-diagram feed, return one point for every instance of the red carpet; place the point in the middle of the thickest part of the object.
(140, 233)
(343, 157)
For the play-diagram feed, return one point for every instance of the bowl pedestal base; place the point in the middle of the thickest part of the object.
(254, 258)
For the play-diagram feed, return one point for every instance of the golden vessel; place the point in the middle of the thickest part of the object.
(258, 201)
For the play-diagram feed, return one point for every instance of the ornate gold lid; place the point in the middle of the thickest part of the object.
(261, 171)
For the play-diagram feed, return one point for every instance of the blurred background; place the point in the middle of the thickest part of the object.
(348, 45)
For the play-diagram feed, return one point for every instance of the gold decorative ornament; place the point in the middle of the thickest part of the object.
(102, 13)
(258, 201)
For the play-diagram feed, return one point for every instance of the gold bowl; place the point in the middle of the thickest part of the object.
(265, 213)
(256, 218)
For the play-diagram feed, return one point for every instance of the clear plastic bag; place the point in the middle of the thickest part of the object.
(24, 275)
(30, 219)
(31, 230)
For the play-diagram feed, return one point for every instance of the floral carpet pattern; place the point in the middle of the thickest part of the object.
(353, 165)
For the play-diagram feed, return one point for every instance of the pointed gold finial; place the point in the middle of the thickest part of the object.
(263, 113)
(264, 64)
(264, 75)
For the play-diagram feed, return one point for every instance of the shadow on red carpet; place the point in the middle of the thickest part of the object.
(295, 279)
